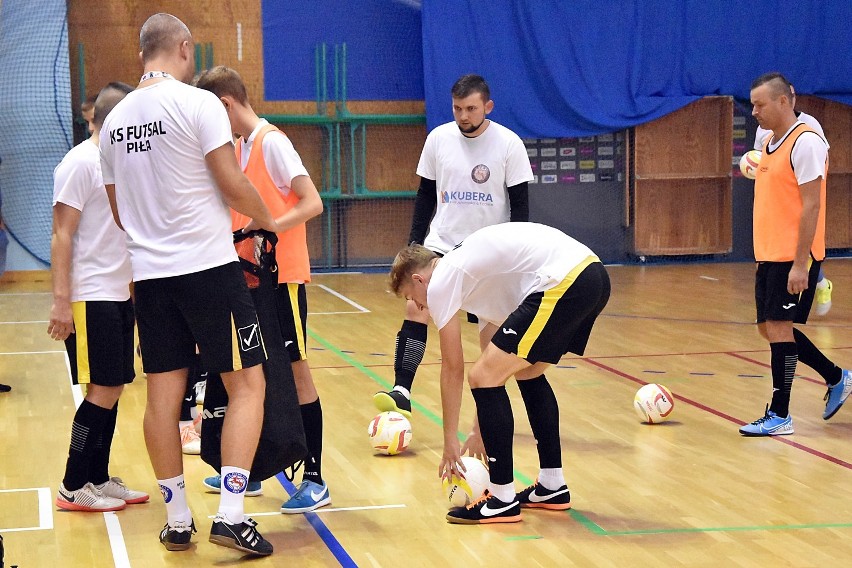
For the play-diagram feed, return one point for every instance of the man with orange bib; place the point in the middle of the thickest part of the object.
(789, 246)
(270, 161)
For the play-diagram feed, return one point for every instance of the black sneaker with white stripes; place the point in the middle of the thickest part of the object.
(242, 536)
(177, 537)
(539, 497)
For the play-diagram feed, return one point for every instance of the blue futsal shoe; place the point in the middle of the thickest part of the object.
(770, 424)
(215, 483)
(308, 496)
(837, 395)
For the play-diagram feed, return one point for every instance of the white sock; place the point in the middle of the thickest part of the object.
(505, 493)
(174, 494)
(233, 493)
(822, 284)
(193, 412)
(405, 392)
(551, 478)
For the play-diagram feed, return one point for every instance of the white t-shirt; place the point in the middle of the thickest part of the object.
(761, 135)
(153, 145)
(808, 156)
(496, 267)
(100, 265)
(282, 161)
(471, 175)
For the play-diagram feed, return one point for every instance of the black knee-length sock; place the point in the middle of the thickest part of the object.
(312, 421)
(497, 426)
(543, 413)
(784, 359)
(87, 427)
(811, 356)
(409, 351)
(99, 469)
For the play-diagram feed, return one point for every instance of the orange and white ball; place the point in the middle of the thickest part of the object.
(653, 403)
(750, 162)
(390, 433)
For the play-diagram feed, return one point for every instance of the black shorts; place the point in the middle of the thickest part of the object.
(774, 302)
(549, 324)
(293, 319)
(101, 349)
(211, 309)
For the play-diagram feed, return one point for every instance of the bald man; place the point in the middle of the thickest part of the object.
(171, 173)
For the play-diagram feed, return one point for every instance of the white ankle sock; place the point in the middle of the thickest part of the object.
(233, 492)
(174, 494)
(551, 478)
(405, 392)
(505, 493)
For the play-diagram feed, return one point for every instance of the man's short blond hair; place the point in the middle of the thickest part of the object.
(408, 261)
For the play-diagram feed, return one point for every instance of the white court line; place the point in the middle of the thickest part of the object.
(26, 294)
(344, 298)
(332, 313)
(116, 541)
(709, 278)
(45, 509)
(29, 352)
(332, 510)
(76, 390)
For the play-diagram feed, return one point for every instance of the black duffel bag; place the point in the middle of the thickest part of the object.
(282, 437)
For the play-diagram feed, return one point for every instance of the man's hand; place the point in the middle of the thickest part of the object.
(451, 464)
(474, 446)
(61, 321)
(797, 281)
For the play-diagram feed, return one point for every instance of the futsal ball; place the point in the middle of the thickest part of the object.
(463, 491)
(390, 433)
(749, 163)
(653, 403)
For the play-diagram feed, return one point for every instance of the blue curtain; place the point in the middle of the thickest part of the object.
(566, 68)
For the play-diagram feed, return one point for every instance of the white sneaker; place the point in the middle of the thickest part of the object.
(200, 389)
(190, 441)
(116, 489)
(88, 499)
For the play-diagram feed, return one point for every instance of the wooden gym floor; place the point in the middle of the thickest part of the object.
(691, 492)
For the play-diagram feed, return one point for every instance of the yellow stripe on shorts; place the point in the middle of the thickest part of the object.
(78, 311)
(548, 303)
(236, 360)
(293, 290)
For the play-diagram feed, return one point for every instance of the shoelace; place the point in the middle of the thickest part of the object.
(484, 497)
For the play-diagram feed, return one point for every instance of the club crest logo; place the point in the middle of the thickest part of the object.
(235, 482)
(167, 493)
(480, 173)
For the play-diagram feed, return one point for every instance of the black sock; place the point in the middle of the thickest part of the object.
(543, 413)
(784, 359)
(409, 351)
(312, 421)
(811, 356)
(87, 427)
(99, 468)
(497, 426)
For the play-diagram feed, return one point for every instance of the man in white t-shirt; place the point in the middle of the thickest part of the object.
(169, 167)
(473, 173)
(537, 292)
(824, 286)
(92, 312)
(270, 161)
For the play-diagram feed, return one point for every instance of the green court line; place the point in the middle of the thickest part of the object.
(529, 537)
(586, 522)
